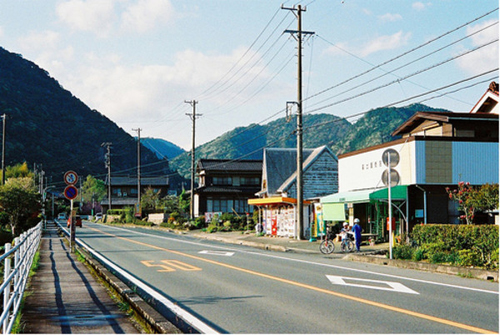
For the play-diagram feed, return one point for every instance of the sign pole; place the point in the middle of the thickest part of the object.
(72, 230)
(389, 198)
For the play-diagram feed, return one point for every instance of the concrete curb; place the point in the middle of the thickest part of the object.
(438, 268)
(153, 320)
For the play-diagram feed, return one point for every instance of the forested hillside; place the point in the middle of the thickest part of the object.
(46, 125)
(374, 127)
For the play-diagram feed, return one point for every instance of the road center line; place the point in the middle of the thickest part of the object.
(321, 264)
(310, 287)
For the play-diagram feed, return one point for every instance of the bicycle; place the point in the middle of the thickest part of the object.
(326, 246)
(347, 243)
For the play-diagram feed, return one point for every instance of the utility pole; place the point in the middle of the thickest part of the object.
(138, 130)
(4, 117)
(107, 163)
(193, 117)
(300, 192)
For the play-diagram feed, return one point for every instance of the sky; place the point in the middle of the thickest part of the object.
(142, 63)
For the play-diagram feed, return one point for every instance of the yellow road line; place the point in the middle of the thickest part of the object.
(317, 289)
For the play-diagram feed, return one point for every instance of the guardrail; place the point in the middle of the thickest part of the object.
(16, 277)
(181, 318)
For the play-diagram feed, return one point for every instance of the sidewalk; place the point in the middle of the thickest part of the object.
(66, 298)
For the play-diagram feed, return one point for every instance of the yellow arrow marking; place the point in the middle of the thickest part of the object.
(317, 289)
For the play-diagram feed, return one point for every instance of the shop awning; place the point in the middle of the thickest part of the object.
(397, 193)
(334, 212)
(274, 201)
(347, 197)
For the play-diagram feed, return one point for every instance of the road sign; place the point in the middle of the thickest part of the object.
(394, 179)
(70, 177)
(394, 157)
(70, 192)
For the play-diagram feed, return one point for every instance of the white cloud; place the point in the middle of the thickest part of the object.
(387, 42)
(146, 14)
(390, 17)
(419, 6)
(142, 92)
(1, 31)
(103, 17)
(96, 16)
(485, 58)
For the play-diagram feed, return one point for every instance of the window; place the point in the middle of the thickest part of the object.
(250, 181)
(222, 181)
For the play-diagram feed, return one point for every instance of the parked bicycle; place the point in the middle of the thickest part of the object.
(326, 246)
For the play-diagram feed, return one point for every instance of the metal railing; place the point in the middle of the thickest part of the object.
(16, 277)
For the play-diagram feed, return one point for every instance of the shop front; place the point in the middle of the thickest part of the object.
(277, 216)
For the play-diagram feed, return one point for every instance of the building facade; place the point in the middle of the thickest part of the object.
(277, 201)
(436, 150)
(225, 186)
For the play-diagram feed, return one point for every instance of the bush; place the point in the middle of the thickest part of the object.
(403, 251)
(464, 245)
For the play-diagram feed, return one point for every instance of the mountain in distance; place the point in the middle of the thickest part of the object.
(50, 129)
(374, 127)
(163, 149)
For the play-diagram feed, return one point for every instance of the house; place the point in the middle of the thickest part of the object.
(225, 186)
(277, 198)
(124, 190)
(435, 151)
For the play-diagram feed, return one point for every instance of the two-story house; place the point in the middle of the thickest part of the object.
(224, 186)
(435, 151)
(124, 190)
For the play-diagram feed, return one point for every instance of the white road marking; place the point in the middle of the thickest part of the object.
(379, 284)
(217, 253)
(315, 263)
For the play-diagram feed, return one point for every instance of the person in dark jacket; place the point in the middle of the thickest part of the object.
(356, 229)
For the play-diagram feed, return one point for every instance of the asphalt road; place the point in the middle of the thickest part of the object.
(237, 289)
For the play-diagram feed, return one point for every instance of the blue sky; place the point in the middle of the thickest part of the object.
(137, 61)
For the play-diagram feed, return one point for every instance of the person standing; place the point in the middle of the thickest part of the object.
(357, 234)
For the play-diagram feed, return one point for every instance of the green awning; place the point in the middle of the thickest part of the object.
(333, 212)
(397, 193)
(347, 197)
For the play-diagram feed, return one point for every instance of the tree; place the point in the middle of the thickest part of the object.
(150, 199)
(473, 199)
(93, 189)
(18, 171)
(20, 201)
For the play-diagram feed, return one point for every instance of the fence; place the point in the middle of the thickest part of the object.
(16, 277)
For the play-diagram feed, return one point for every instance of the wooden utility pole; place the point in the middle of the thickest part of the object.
(193, 117)
(107, 163)
(300, 192)
(138, 130)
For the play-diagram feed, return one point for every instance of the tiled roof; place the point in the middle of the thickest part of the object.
(446, 117)
(280, 164)
(227, 189)
(145, 181)
(229, 165)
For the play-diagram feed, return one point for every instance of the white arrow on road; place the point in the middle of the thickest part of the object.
(217, 253)
(371, 284)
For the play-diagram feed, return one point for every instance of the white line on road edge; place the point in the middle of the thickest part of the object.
(217, 253)
(316, 263)
(189, 318)
(392, 286)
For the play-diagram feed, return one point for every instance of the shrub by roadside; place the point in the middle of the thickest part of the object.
(461, 245)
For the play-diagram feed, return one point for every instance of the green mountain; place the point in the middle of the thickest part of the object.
(374, 127)
(52, 130)
(163, 149)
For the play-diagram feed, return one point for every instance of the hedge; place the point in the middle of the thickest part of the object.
(462, 245)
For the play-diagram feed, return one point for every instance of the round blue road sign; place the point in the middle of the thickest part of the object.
(70, 192)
